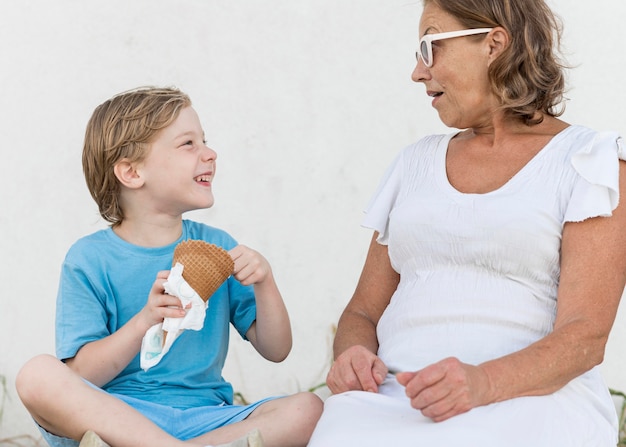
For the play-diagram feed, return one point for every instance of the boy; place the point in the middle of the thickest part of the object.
(146, 163)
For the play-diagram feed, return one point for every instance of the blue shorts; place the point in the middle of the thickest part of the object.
(181, 424)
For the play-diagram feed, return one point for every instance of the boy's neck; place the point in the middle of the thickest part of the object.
(149, 234)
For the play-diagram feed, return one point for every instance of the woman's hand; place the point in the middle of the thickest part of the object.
(446, 388)
(356, 365)
(357, 368)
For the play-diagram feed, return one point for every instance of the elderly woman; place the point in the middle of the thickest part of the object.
(498, 257)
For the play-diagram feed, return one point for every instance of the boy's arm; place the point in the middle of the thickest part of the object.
(270, 334)
(102, 360)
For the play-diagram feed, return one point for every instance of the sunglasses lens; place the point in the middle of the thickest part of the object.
(425, 53)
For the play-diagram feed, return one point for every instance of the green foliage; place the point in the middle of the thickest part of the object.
(622, 417)
(3, 388)
(19, 440)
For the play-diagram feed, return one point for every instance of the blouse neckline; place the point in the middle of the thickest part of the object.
(441, 171)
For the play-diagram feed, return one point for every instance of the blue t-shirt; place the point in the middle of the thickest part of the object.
(105, 281)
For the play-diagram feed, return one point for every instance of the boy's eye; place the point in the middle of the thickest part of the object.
(192, 143)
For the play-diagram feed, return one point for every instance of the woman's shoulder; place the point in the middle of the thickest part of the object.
(431, 141)
(593, 159)
(577, 133)
(583, 145)
(428, 144)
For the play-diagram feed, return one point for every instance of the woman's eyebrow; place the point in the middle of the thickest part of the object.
(427, 31)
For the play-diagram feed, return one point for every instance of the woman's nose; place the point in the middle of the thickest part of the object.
(421, 71)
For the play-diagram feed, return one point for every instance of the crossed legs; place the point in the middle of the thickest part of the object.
(62, 403)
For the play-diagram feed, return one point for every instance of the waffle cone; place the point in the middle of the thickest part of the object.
(205, 266)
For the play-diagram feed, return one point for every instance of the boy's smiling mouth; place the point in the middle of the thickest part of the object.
(203, 178)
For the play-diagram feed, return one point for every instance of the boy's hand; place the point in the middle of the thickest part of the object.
(160, 305)
(250, 266)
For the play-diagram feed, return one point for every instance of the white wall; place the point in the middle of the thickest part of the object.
(305, 102)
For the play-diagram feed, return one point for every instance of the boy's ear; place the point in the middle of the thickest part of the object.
(498, 41)
(127, 174)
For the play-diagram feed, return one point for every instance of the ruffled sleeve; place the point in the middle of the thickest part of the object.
(379, 207)
(597, 192)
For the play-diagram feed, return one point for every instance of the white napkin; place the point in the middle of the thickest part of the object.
(152, 347)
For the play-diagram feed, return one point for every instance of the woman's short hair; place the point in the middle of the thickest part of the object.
(123, 128)
(528, 76)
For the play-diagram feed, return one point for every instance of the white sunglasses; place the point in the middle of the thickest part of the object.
(426, 43)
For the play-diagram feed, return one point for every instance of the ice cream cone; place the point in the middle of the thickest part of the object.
(205, 266)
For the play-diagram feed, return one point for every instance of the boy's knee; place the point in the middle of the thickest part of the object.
(310, 408)
(312, 401)
(32, 375)
(310, 404)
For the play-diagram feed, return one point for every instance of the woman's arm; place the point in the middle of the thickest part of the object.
(270, 334)
(356, 365)
(593, 274)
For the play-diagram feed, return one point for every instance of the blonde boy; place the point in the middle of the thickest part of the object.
(146, 163)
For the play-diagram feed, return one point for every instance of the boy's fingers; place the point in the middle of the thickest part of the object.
(163, 274)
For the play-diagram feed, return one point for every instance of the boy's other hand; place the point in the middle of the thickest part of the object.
(160, 305)
(250, 266)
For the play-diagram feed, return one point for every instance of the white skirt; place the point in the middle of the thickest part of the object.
(363, 419)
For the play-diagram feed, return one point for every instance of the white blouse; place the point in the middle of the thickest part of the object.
(479, 272)
(478, 280)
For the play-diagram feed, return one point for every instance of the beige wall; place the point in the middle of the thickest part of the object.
(305, 102)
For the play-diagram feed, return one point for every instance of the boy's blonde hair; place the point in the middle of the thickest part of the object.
(123, 128)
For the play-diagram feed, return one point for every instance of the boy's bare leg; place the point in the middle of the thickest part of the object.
(62, 403)
(285, 422)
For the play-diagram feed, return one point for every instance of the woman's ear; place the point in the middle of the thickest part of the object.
(127, 174)
(498, 40)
